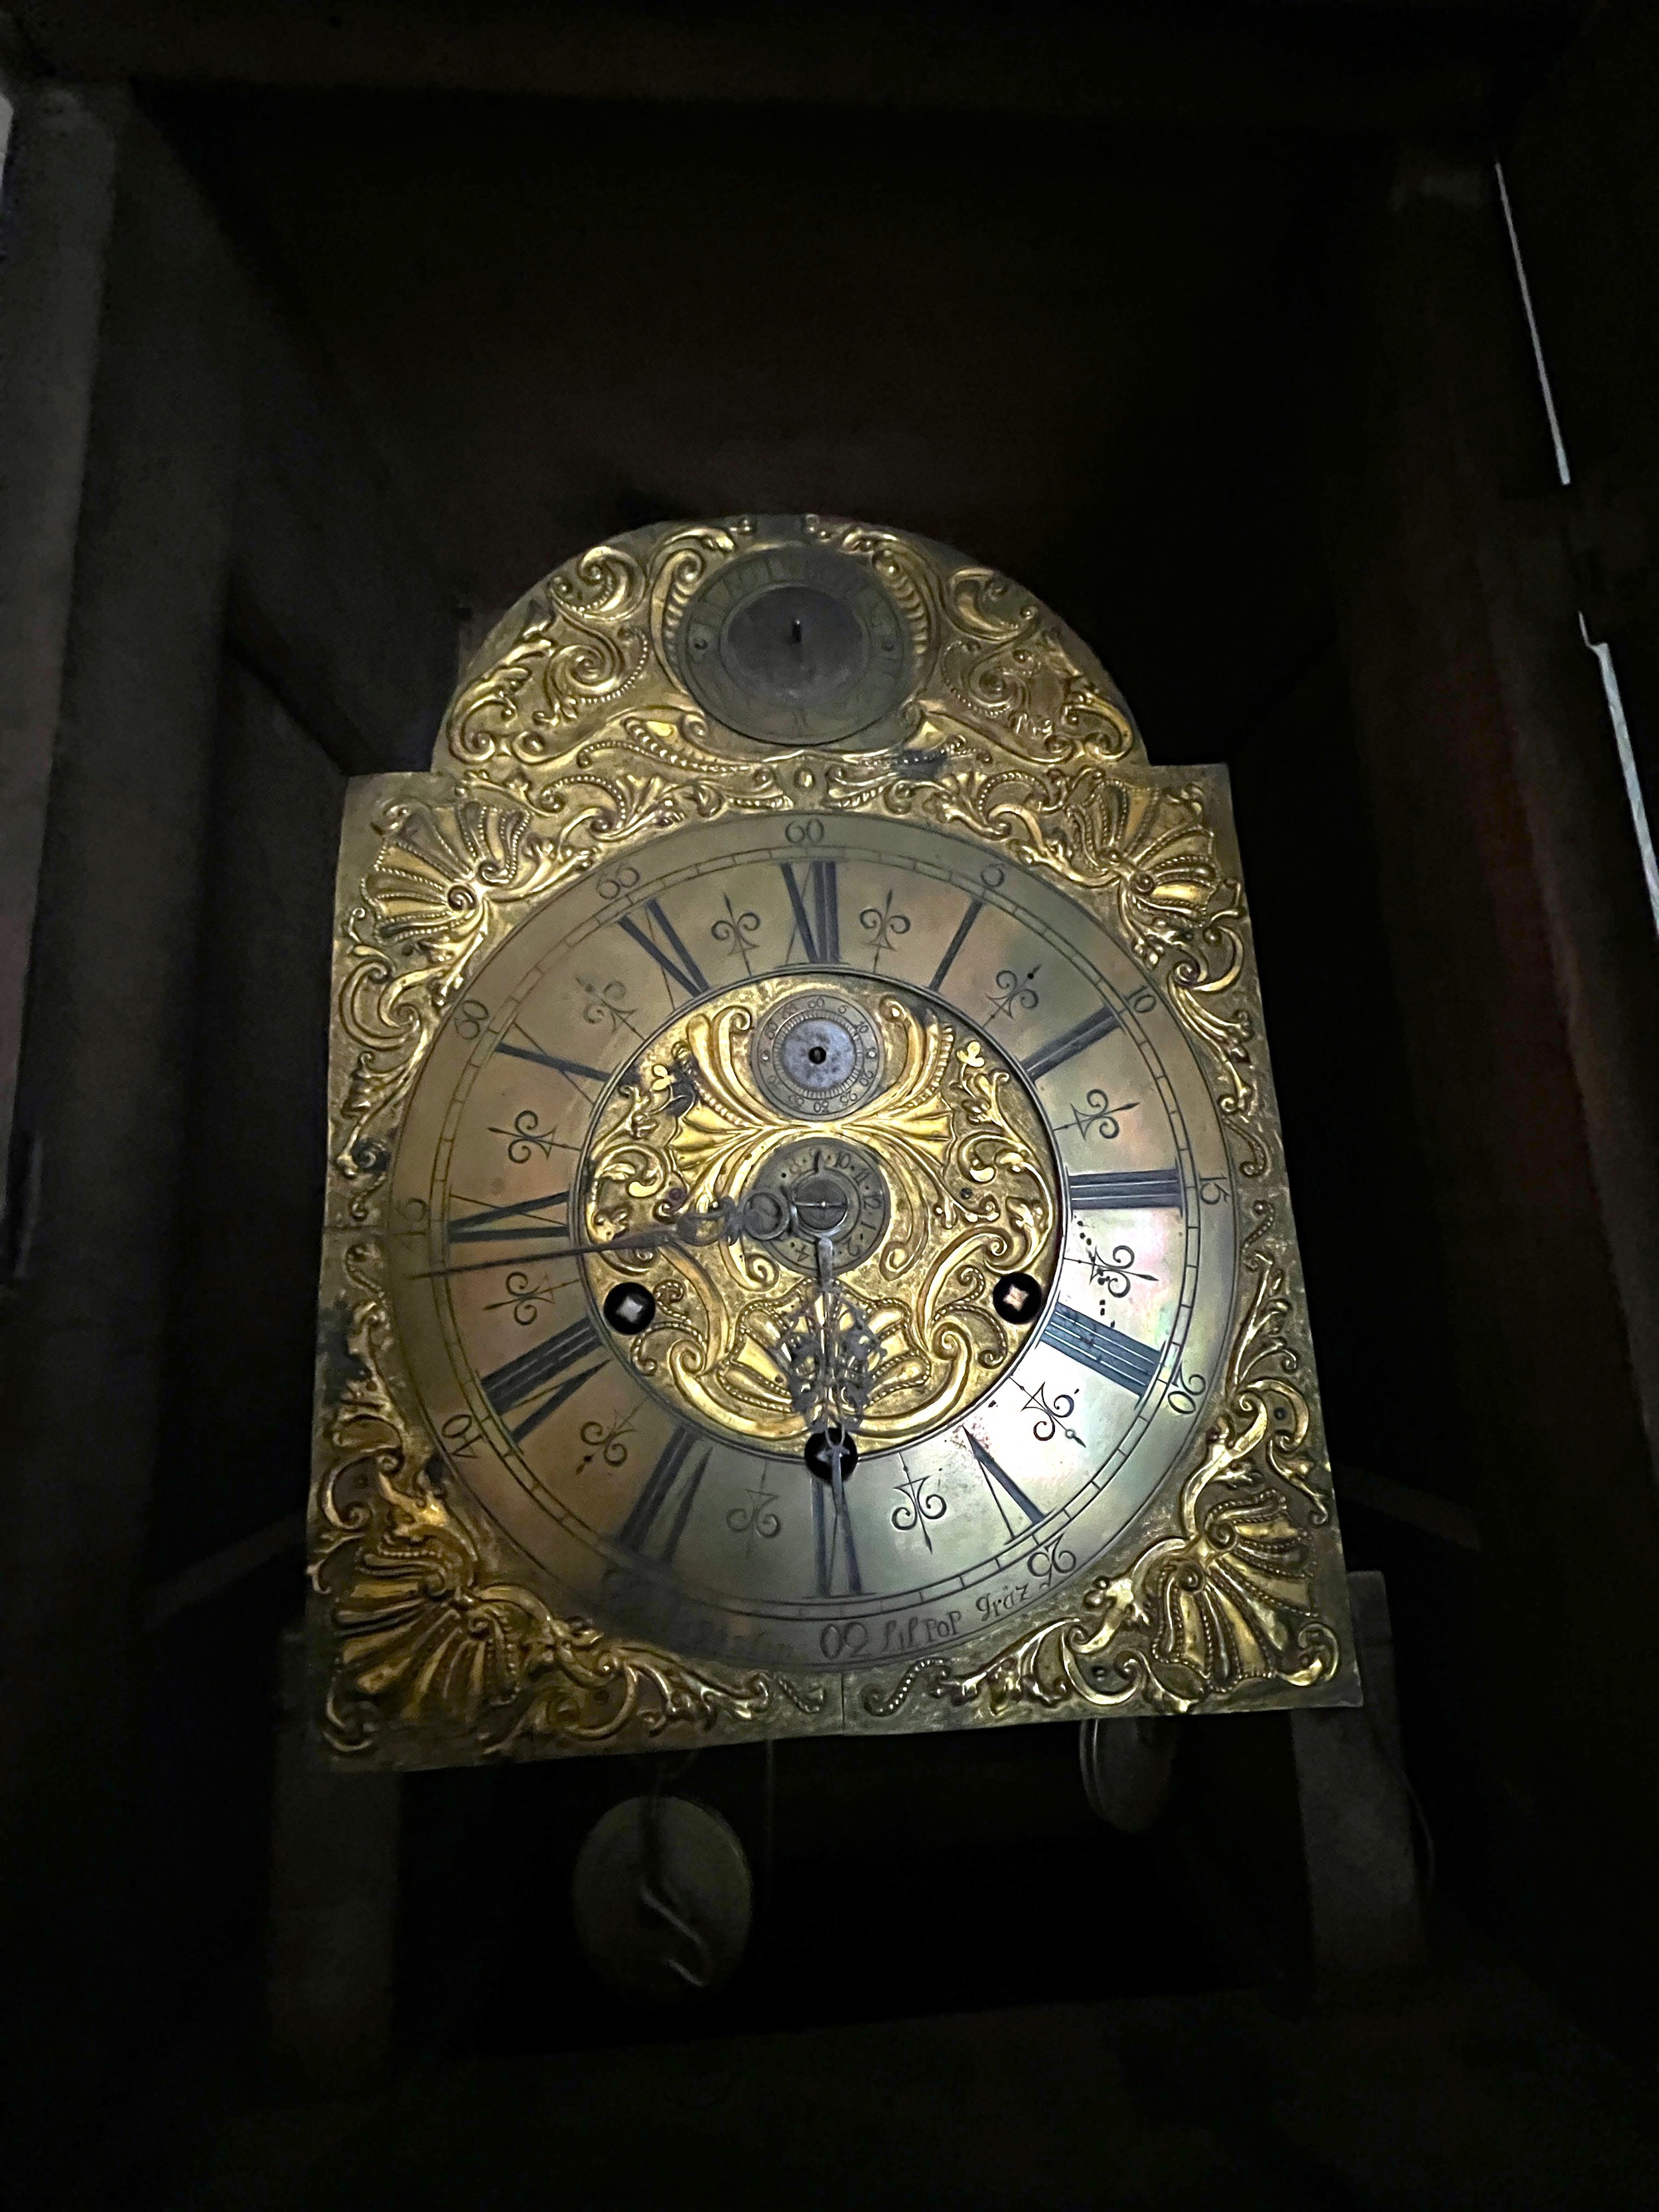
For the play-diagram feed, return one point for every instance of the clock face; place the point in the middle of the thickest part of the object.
(776, 1116)
(795, 645)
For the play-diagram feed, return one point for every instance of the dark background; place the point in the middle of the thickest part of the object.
(1096, 361)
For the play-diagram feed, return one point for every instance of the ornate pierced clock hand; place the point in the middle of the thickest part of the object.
(845, 1373)
(724, 1221)
(827, 1362)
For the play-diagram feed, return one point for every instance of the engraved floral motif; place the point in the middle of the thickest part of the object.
(1225, 1601)
(1150, 853)
(442, 890)
(588, 637)
(424, 1635)
(583, 644)
(912, 579)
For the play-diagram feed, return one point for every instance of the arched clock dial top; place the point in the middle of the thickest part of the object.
(820, 1232)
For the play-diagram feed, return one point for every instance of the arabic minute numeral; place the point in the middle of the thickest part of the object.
(1186, 1393)
(470, 1018)
(843, 1639)
(461, 1433)
(1050, 1559)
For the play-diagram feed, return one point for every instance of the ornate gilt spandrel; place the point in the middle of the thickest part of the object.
(573, 747)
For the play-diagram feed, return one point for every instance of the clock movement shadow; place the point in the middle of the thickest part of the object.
(936, 1875)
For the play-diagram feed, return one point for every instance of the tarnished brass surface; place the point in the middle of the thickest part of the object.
(555, 956)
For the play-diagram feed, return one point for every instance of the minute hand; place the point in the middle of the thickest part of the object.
(723, 1222)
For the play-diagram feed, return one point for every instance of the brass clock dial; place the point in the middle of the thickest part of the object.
(811, 1240)
(1034, 1110)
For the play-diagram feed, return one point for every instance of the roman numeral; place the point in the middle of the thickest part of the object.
(976, 907)
(541, 1369)
(1123, 1188)
(676, 963)
(656, 1519)
(817, 910)
(484, 1227)
(997, 1480)
(832, 1540)
(1121, 1359)
(1048, 1057)
(577, 1070)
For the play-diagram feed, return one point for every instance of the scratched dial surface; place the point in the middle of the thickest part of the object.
(671, 1503)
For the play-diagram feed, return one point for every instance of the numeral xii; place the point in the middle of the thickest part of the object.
(816, 908)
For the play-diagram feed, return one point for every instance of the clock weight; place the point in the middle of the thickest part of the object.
(662, 1900)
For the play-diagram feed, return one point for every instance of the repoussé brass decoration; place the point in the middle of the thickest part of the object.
(948, 1162)
(808, 1247)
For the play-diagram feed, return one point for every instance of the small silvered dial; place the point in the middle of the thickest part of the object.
(817, 1054)
(836, 1191)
